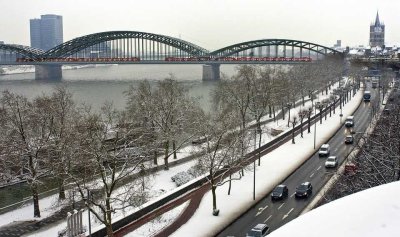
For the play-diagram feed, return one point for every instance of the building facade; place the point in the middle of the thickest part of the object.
(377, 33)
(46, 32)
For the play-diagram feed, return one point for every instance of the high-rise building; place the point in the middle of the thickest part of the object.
(36, 41)
(46, 32)
(377, 33)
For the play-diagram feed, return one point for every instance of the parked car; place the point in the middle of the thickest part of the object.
(280, 192)
(258, 231)
(304, 190)
(349, 139)
(331, 162)
(324, 150)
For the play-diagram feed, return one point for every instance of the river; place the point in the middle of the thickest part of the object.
(95, 85)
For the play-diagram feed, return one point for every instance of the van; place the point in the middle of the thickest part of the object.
(349, 122)
(325, 150)
(259, 230)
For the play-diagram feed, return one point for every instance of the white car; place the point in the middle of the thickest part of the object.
(324, 150)
(331, 162)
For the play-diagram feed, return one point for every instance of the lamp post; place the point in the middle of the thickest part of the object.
(317, 104)
(87, 203)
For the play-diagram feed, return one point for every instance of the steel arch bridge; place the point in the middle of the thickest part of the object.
(236, 49)
(147, 48)
(21, 50)
(127, 44)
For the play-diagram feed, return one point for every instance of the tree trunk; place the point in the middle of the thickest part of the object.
(309, 124)
(166, 147)
(273, 110)
(288, 121)
(174, 148)
(303, 100)
(155, 161)
(214, 197)
(61, 188)
(230, 184)
(270, 111)
(301, 128)
(283, 112)
(110, 232)
(293, 142)
(35, 197)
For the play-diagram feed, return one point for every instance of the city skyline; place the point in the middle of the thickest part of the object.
(208, 23)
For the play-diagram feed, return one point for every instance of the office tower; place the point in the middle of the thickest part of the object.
(46, 32)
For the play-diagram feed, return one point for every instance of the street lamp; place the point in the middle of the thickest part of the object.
(317, 104)
(87, 203)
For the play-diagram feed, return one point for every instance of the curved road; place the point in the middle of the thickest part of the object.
(277, 213)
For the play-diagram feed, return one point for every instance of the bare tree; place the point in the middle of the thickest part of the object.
(27, 130)
(221, 153)
(108, 154)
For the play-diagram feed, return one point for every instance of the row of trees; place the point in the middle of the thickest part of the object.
(109, 152)
(378, 159)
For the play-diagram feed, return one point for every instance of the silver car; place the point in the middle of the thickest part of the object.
(331, 162)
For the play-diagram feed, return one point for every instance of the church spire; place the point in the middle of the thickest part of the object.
(377, 23)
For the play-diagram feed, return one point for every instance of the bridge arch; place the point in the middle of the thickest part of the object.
(127, 44)
(250, 45)
(24, 51)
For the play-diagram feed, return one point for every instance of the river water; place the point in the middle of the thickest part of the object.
(96, 85)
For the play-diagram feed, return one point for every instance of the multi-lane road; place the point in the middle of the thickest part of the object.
(277, 213)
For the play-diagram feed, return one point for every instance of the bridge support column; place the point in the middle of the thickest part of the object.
(211, 72)
(48, 72)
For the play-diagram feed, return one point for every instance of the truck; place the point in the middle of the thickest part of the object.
(367, 96)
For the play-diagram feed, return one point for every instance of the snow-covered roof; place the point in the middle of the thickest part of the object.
(372, 212)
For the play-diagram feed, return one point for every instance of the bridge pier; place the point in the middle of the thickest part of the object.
(211, 72)
(48, 72)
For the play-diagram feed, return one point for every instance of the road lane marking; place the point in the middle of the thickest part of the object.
(267, 218)
(281, 206)
(319, 167)
(293, 194)
(287, 214)
(311, 175)
(261, 209)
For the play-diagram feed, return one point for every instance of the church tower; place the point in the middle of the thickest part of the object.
(377, 33)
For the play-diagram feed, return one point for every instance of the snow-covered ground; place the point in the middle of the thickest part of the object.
(369, 213)
(162, 183)
(30, 69)
(275, 167)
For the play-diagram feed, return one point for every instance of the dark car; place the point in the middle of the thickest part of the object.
(304, 190)
(349, 139)
(280, 192)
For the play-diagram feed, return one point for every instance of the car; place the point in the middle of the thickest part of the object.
(258, 231)
(280, 192)
(349, 122)
(324, 150)
(349, 139)
(303, 190)
(331, 162)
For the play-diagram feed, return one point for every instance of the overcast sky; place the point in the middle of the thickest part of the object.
(211, 24)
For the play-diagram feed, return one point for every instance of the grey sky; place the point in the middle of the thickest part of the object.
(211, 24)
